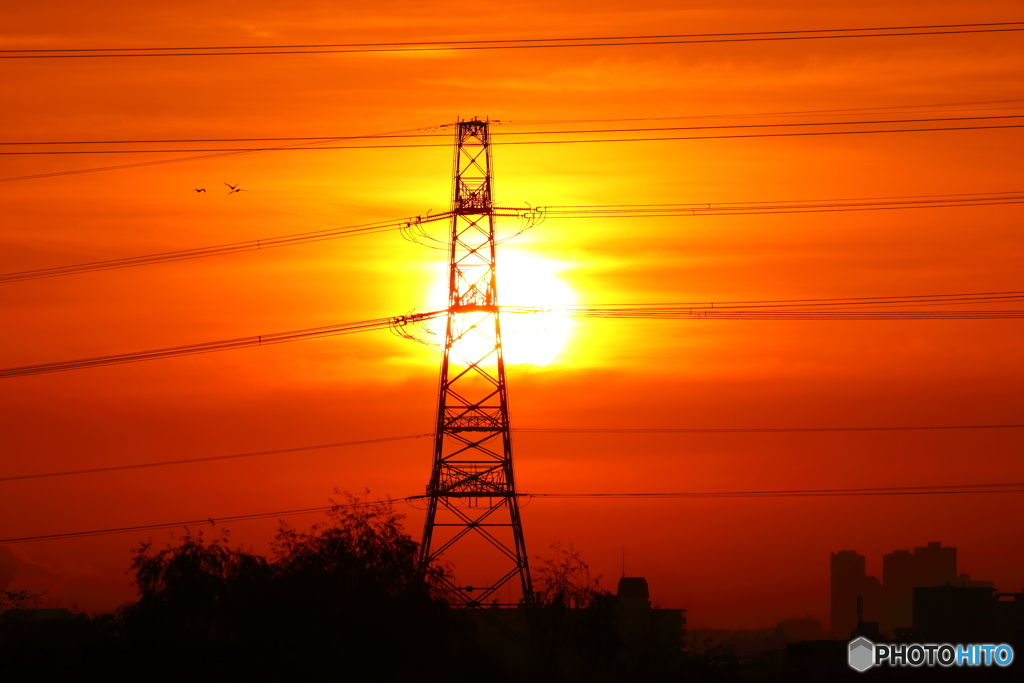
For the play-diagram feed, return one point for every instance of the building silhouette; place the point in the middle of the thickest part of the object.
(923, 600)
(633, 592)
(903, 571)
(638, 620)
(852, 587)
(966, 614)
(965, 581)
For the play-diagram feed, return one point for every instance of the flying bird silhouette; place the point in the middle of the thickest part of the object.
(201, 190)
(235, 188)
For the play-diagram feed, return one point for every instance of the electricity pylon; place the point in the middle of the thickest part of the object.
(472, 499)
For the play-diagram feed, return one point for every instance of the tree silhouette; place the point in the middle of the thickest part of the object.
(564, 579)
(18, 598)
(572, 625)
(346, 598)
(346, 595)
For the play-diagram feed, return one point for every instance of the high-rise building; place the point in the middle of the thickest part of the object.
(903, 571)
(848, 583)
(936, 565)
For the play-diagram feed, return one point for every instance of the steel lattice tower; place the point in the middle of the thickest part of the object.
(472, 499)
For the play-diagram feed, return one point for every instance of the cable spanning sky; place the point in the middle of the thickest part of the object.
(522, 43)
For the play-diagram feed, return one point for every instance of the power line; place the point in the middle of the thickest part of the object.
(750, 430)
(311, 139)
(953, 489)
(253, 150)
(394, 323)
(157, 162)
(723, 206)
(555, 209)
(523, 43)
(577, 211)
(804, 112)
(720, 310)
(691, 212)
(761, 208)
(802, 315)
(220, 249)
(795, 307)
(740, 136)
(765, 125)
(526, 430)
(211, 459)
(294, 148)
(208, 520)
(889, 198)
(508, 40)
(96, 169)
(807, 112)
(913, 300)
(561, 132)
(852, 300)
(858, 308)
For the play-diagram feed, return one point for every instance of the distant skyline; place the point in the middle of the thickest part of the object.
(731, 563)
(887, 601)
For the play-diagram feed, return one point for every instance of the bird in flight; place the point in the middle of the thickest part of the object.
(201, 190)
(235, 188)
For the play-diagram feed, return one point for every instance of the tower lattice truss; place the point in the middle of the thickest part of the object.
(473, 515)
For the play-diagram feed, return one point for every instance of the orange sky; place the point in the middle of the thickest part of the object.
(731, 563)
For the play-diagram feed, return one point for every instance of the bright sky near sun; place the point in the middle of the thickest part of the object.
(731, 563)
(524, 279)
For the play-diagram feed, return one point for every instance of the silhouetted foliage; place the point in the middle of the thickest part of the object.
(43, 643)
(19, 598)
(343, 599)
(572, 629)
(342, 595)
(565, 580)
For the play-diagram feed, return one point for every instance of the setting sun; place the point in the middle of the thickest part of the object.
(524, 280)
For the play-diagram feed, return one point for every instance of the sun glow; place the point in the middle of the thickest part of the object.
(524, 279)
